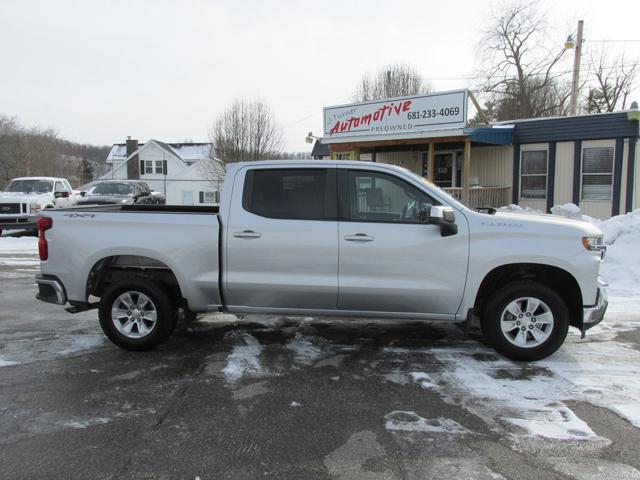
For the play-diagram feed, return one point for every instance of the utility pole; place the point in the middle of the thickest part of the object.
(576, 69)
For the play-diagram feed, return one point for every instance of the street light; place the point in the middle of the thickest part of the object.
(311, 138)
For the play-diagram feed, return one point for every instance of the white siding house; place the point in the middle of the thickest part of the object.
(180, 172)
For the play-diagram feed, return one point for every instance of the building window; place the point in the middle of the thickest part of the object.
(343, 156)
(533, 174)
(209, 197)
(148, 166)
(161, 167)
(597, 173)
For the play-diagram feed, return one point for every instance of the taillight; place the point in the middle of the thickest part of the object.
(44, 224)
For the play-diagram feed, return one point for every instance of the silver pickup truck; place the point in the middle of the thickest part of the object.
(326, 238)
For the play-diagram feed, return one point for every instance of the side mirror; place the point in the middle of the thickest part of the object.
(61, 194)
(82, 194)
(445, 217)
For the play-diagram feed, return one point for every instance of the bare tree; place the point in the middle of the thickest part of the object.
(13, 149)
(521, 75)
(247, 130)
(612, 81)
(395, 80)
(36, 151)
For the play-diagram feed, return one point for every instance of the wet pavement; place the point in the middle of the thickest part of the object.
(268, 397)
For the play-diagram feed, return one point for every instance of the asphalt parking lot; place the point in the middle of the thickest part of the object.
(265, 397)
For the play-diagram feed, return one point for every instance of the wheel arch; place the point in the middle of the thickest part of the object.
(554, 277)
(114, 268)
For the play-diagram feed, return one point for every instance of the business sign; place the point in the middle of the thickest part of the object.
(421, 113)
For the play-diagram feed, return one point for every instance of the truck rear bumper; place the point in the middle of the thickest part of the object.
(593, 315)
(50, 290)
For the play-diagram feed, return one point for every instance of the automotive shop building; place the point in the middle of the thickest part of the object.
(589, 160)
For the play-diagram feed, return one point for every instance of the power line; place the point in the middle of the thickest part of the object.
(634, 40)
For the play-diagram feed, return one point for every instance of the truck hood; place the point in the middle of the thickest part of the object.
(17, 197)
(546, 222)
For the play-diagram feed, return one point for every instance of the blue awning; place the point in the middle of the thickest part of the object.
(491, 135)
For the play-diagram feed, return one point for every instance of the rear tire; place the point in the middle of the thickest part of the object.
(525, 320)
(136, 314)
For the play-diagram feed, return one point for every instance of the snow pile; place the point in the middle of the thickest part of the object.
(621, 266)
(568, 210)
(517, 208)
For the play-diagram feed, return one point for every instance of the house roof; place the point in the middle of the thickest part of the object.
(190, 152)
(320, 149)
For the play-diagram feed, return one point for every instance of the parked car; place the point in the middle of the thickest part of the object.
(23, 198)
(121, 192)
(326, 238)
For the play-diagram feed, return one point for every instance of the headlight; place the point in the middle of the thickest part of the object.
(593, 244)
(34, 207)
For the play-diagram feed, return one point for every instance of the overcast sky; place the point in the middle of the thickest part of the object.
(99, 71)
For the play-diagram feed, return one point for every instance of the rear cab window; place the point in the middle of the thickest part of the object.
(290, 193)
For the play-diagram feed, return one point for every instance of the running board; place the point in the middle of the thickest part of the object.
(82, 307)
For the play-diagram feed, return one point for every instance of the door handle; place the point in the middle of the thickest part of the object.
(359, 237)
(247, 234)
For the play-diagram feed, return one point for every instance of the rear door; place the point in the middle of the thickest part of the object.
(282, 239)
(390, 261)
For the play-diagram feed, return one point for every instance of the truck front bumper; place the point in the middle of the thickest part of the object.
(50, 290)
(17, 222)
(593, 315)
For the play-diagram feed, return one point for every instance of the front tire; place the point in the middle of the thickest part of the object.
(525, 320)
(136, 315)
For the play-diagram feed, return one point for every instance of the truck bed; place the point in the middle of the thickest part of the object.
(180, 239)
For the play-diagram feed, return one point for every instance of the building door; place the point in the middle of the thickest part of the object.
(447, 168)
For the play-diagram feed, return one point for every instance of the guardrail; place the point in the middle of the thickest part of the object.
(483, 196)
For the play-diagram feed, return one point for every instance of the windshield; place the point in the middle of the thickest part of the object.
(112, 189)
(30, 186)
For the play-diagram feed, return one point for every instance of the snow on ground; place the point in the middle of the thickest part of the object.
(19, 245)
(6, 363)
(244, 359)
(406, 421)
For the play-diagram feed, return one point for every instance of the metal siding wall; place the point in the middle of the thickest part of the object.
(563, 179)
(492, 165)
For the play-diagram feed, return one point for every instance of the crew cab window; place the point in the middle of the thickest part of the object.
(379, 197)
(297, 194)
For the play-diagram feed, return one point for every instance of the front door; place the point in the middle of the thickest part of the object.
(390, 261)
(447, 169)
(282, 240)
